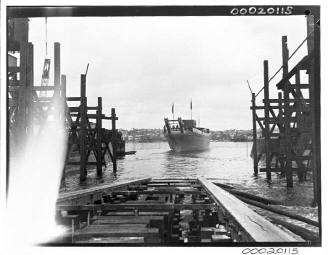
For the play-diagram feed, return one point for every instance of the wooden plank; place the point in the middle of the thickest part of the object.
(258, 228)
(43, 88)
(73, 98)
(275, 100)
(276, 120)
(154, 213)
(114, 240)
(94, 108)
(99, 189)
(159, 191)
(278, 107)
(125, 219)
(124, 213)
(132, 206)
(298, 230)
(165, 184)
(182, 180)
(74, 109)
(281, 212)
(299, 86)
(278, 170)
(117, 230)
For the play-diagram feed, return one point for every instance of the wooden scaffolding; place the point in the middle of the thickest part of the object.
(290, 124)
(29, 105)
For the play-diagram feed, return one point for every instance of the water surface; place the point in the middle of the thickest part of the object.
(225, 162)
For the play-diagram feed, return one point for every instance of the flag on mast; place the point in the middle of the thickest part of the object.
(173, 108)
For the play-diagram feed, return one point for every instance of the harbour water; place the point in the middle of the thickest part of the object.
(225, 162)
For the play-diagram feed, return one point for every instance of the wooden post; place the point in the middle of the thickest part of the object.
(21, 29)
(99, 148)
(57, 66)
(56, 94)
(287, 114)
(314, 94)
(63, 98)
(256, 170)
(29, 89)
(62, 118)
(113, 118)
(281, 131)
(267, 123)
(82, 134)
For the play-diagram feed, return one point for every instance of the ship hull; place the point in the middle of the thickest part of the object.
(182, 142)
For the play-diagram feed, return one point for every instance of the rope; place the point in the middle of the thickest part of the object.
(298, 47)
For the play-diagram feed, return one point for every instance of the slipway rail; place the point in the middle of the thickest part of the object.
(162, 211)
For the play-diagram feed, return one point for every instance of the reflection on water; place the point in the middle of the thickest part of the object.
(226, 162)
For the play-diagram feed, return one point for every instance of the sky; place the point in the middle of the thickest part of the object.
(141, 65)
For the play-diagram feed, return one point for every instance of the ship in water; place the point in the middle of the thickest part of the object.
(184, 135)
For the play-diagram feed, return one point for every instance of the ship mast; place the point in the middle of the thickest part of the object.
(191, 109)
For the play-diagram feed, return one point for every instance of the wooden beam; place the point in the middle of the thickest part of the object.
(172, 180)
(287, 115)
(113, 116)
(257, 227)
(139, 206)
(279, 211)
(116, 230)
(114, 240)
(314, 94)
(29, 89)
(43, 88)
(277, 170)
(73, 98)
(159, 191)
(83, 133)
(266, 121)
(21, 31)
(97, 220)
(99, 138)
(73, 196)
(57, 65)
(302, 65)
(305, 233)
(255, 161)
(63, 98)
(293, 100)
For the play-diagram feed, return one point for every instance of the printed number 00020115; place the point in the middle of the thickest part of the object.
(284, 10)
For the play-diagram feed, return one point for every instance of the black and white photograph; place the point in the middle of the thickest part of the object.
(162, 125)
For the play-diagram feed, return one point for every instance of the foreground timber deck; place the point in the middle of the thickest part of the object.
(162, 211)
